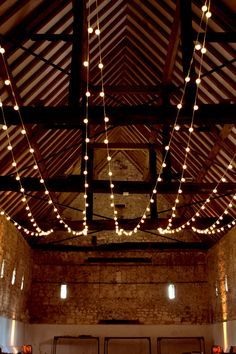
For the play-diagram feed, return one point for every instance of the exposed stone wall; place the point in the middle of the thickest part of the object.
(15, 254)
(222, 264)
(98, 292)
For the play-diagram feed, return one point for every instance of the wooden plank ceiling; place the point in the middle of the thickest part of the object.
(145, 50)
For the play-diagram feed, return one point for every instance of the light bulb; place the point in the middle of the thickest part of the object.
(106, 119)
(177, 127)
(203, 50)
(85, 63)
(198, 81)
(195, 107)
(2, 50)
(208, 14)
(90, 30)
(4, 127)
(204, 8)
(187, 79)
(87, 94)
(85, 120)
(187, 149)
(100, 65)
(198, 46)
(102, 94)
(97, 31)
(179, 106)
(16, 108)
(106, 141)
(7, 82)
(31, 150)
(108, 158)
(23, 132)
(9, 147)
(191, 129)
(167, 147)
(41, 180)
(35, 167)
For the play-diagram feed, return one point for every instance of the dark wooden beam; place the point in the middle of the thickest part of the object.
(75, 86)
(153, 177)
(75, 183)
(123, 246)
(52, 37)
(187, 42)
(67, 117)
(218, 37)
(172, 47)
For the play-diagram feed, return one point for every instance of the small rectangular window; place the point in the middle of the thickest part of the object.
(2, 268)
(226, 284)
(63, 293)
(22, 283)
(13, 278)
(171, 291)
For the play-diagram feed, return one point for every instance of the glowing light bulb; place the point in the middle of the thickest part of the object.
(164, 164)
(187, 149)
(215, 190)
(198, 46)
(100, 65)
(41, 180)
(208, 14)
(198, 81)
(85, 63)
(87, 140)
(14, 164)
(46, 192)
(177, 127)
(101, 94)
(35, 167)
(86, 157)
(187, 79)
(109, 173)
(17, 177)
(230, 167)
(182, 179)
(85, 172)
(106, 141)
(184, 167)
(23, 132)
(159, 179)
(106, 119)
(7, 82)
(85, 120)
(2, 50)
(31, 150)
(167, 147)
(22, 190)
(4, 127)
(9, 147)
(87, 94)
(16, 108)
(97, 31)
(179, 106)
(180, 191)
(203, 50)
(108, 158)
(195, 107)
(204, 8)
(90, 30)
(191, 129)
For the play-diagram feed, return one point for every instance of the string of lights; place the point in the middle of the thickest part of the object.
(205, 12)
(36, 166)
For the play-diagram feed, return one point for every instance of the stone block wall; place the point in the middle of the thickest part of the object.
(222, 275)
(126, 291)
(15, 254)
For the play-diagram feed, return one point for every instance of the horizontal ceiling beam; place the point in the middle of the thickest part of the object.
(123, 246)
(218, 37)
(225, 37)
(68, 117)
(75, 183)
